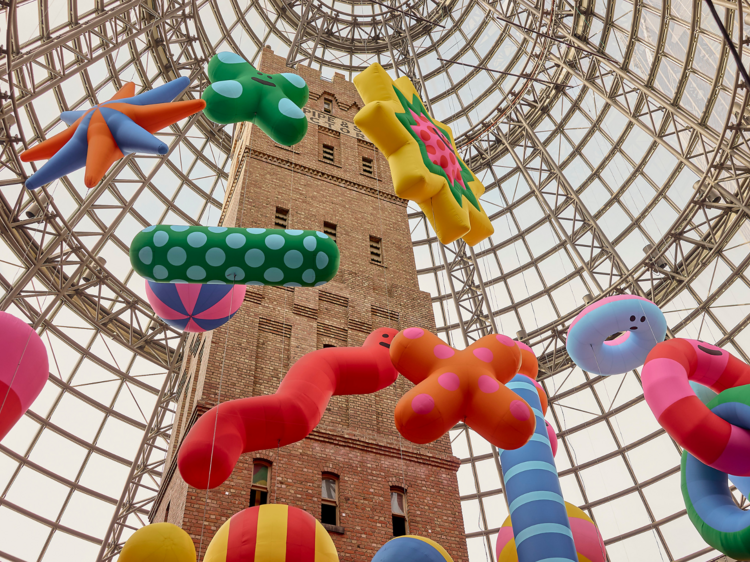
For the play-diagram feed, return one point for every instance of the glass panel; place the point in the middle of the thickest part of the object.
(260, 475)
(397, 503)
(329, 489)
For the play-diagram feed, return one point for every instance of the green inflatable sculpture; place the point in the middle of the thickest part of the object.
(247, 256)
(274, 102)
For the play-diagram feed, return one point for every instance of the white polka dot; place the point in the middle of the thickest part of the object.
(160, 238)
(292, 284)
(293, 259)
(217, 229)
(275, 241)
(273, 274)
(308, 276)
(319, 283)
(149, 228)
(215, 282)
(179, 228)
(146, 255)
(255, 257)
(236, 240)
(235, 274)
(294, 232)
(196, 272)
(310, 243)
(176, 256)
(215, 257)
(321, 235)
(321, 260)
(160, 272)
(196, 239)
(256, 230)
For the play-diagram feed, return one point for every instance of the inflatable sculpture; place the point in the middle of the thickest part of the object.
(589, 544)
(425, 165)
(99, 136)
(271, 533)
(274, 102)
(195, 308)
(715, 436)
(454, 385)
(641, 322)
(24, 370)
(247, 256)
(158, 542)
(413, 549)
(214, 444)
(537, 509)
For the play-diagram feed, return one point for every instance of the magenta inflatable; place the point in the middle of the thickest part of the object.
(23, 370)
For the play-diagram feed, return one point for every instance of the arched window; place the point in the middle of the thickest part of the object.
(259, 488)
(398, 512)
(329, 510)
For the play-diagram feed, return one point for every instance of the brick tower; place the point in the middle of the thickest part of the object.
(354, 473)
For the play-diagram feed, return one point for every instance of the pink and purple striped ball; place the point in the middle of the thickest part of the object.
(192, 307)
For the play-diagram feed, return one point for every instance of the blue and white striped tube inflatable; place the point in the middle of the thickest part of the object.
(537, 510)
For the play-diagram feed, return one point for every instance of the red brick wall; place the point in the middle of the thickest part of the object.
(356, 439)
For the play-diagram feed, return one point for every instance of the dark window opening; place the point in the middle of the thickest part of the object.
(328, 514)
(399, 526)
(330, 229)
(367, 165)
(281, 219)
(398, 512)
(327, 105)
(328, 154)
(259, 487)
(329, 509)
(328, 345)
(376, 250)
(166, 512)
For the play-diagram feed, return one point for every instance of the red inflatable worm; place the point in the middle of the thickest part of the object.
(213, 446)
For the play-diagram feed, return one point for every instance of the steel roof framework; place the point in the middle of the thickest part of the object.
(635, 92)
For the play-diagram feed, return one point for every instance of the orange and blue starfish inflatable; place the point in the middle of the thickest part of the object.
(99, 136)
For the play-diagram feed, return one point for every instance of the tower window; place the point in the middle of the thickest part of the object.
(398, 512)
(329, 510)
(259, 487)
(327, 105)
(367, 165)
(281, 219)
(376, 250)
(328, 154)
(166, 512)
(330, 229)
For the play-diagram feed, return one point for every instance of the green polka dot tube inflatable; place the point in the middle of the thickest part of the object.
(240, 256)
(238, 92)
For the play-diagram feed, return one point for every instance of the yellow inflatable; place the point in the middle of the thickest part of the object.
(421, 152)
(159, 542)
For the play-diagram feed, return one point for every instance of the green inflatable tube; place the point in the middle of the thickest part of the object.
(240, 256)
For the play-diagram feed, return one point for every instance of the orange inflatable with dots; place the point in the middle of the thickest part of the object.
(463, 385)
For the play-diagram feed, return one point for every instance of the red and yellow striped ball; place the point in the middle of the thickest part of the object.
(588, 541)
(271, 533)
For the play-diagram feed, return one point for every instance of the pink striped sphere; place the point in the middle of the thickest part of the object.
(24, 370)
(588, 540)
(194, 307)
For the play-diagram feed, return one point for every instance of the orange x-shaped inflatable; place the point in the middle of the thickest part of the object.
(467, 385)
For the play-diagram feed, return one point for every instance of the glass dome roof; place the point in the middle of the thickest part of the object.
(612, 138)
